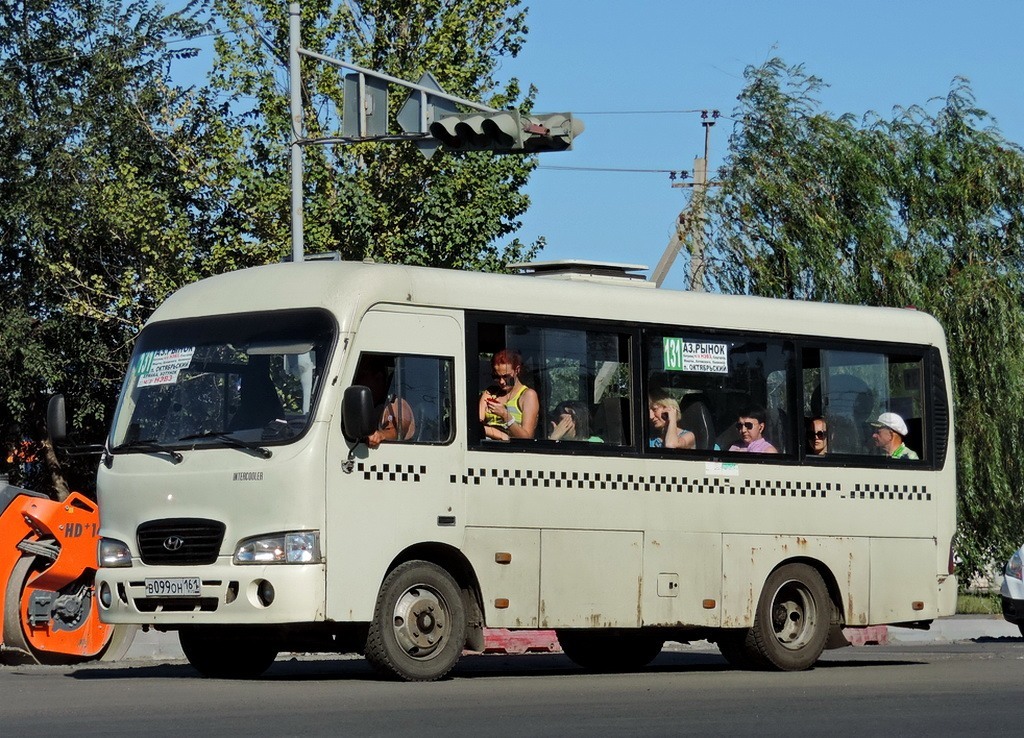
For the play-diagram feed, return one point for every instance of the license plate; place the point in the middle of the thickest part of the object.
(174, 587)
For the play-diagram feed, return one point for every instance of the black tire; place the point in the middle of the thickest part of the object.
(738, 648)
(610, 651)
(227, 653)
(792, 620)
(1020, 627)
(419, 624)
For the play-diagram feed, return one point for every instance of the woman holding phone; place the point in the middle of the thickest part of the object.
(663, 411)
(508, 408)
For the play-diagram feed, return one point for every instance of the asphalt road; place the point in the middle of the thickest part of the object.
(902, 689)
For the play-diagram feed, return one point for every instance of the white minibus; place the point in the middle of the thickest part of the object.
(359, 457)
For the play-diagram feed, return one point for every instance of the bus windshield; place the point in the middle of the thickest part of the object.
(223, 379)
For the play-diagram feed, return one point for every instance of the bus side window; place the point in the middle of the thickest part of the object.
(413, 395)
(853, 388)
(563, 363)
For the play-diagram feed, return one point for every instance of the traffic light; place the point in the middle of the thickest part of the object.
(551, 132)
(500, 131)
(506, 132)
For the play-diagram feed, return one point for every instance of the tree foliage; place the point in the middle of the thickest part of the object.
(383, 201)
(925, 209)
(121, 185)
(95, 227)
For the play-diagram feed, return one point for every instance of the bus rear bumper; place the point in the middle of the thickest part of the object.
(947, 595)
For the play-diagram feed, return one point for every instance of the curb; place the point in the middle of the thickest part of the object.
(513, 642)
(154, 645)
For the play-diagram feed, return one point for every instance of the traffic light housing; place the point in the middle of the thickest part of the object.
(506, 132)
(551, 132)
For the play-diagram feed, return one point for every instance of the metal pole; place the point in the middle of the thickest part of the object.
(295, 83)
(700, 184)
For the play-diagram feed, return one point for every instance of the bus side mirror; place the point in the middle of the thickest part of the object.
(56, 421)
(357, 418)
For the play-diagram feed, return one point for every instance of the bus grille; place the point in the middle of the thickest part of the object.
(180, 541)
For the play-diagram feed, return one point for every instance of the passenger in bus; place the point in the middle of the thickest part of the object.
(663, 412)
(817, 437)
(508, 408)
(572, 423)
(395, 417)
(890, 430)
(750, 424)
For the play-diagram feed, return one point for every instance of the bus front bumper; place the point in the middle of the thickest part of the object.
(221, 593)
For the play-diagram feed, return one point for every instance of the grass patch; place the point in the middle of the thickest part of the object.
(978, 604)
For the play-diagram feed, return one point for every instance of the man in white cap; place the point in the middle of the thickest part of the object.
(889, 432)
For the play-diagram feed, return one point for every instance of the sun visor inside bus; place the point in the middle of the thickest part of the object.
(276, 348)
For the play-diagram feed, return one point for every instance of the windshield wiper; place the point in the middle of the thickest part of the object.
(149, 445)
(231, 441)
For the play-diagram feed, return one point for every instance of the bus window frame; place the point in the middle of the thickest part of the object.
(475, 440)
(637, 333)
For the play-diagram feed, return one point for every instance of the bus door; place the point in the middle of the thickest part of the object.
(407, 490)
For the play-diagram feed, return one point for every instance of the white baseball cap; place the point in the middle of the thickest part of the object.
(892, 421)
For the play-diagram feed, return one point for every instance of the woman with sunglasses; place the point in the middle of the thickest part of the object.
(817, 437)
(750, 424)
(508, 408)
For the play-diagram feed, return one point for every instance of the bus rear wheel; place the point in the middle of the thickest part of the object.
(610, 651)
(419, 624)
(793, 617)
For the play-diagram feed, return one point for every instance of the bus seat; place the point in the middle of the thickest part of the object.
(696, 418)
(913, 439)
(609, 420)
(844, 435)
(258, 405)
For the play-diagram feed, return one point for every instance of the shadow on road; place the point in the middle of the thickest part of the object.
(469, 667)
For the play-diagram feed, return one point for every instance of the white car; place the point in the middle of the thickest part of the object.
(1012, 591)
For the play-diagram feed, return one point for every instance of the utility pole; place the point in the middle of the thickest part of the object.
(295, 109)
(693, 215)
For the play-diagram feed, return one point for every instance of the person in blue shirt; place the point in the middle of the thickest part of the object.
(663, 412)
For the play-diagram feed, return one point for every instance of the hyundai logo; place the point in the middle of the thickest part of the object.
(173, 543)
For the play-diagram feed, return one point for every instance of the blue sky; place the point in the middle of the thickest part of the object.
(609, 56)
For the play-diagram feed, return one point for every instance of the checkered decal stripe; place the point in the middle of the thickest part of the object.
(690, 485)
(890, 492)
(391, 472)
(640, 483)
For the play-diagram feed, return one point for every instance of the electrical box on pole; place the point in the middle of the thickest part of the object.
(366, 106)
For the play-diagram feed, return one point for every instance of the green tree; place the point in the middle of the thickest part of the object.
(925, 209)
(97, 224)
(377, 200)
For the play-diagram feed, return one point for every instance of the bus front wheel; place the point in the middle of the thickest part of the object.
(419, 624)
(227, 654)
(793, 617)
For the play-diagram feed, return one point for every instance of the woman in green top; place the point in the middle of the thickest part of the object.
(508, 408)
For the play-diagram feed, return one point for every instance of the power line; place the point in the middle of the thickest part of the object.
(670, 172)
(640, 112)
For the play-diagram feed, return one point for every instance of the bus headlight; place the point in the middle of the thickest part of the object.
(1015, 566)
(297, 547)
(113, 554)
